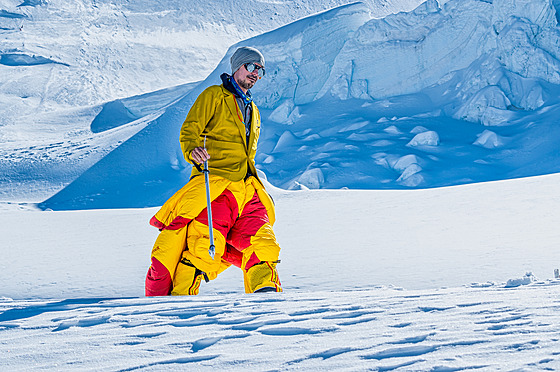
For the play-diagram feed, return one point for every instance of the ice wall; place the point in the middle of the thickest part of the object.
(509, 45)
(354, 101)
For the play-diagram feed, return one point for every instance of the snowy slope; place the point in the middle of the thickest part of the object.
(44, 156)
(467, 92)
(75, 281)
(61, 63)
(331, 239)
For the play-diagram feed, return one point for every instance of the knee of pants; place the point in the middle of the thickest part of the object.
(263, 245)
(198, 244)
(169, 247)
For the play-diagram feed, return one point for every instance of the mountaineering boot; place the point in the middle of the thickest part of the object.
(187, 279)
(265, 289)
(262, 277)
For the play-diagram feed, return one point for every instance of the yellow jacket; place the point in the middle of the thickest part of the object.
(216, 115)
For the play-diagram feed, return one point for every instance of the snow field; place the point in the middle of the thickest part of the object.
(480, 234)
(439, 279)
(375, 329)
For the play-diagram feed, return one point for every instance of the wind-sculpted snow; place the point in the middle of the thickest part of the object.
(407, 52)
(18, 59)
(423, 280)
(382, 330)
(113, 49)
(410, 51)
(11, 15)
(347, 97)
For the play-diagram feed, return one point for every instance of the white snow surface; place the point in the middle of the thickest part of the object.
(484, 329)
(378, 129)
(441, 279)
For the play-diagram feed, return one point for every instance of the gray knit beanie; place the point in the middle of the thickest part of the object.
(245, 55)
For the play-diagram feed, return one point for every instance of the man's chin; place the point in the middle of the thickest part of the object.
(248, 84)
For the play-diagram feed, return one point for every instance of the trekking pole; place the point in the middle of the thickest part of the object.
(212, 249)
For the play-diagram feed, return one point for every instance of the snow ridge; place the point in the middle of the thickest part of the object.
(349, 98)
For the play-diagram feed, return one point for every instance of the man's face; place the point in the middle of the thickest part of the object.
(246, 79)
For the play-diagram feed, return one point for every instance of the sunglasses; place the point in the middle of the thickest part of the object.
(252, 67)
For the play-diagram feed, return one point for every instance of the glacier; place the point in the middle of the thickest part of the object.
(347, 95)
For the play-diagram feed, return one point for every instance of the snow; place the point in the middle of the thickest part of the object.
(410, 148)
(489, 140)
(420, 279)
(427, 138)
(328, 81)
(469, 86)
(438, 330)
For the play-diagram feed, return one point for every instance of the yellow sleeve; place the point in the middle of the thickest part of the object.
(197, 119)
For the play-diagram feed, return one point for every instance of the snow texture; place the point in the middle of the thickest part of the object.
(346, 76)
(383, 96)
(381, 330)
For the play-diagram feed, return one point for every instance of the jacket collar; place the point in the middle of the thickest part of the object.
(231, 85)
(232, 105)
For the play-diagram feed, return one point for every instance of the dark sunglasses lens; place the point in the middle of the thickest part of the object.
(251, 67)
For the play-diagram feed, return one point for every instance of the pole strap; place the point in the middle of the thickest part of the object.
(197, 271)
(197, 166)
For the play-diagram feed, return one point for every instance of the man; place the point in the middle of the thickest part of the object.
(222, 127)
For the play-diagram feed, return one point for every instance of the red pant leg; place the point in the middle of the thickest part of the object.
(225, 211)
(253, 217)
(158, 280)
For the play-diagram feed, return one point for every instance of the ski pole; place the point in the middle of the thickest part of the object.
(212, 249)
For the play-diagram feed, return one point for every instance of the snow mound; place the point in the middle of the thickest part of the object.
(527, 279)
(409, 168)
(312, 178)
(489, 140)
(494, 117)
(418, 129)
(428, 138)
(481, 102)
(404, 162)
(21, 59)
(11, 15)
(392, 130)
(286, 140)
(114, 114)
(352, 127)
(410, 176)
(285, 113)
